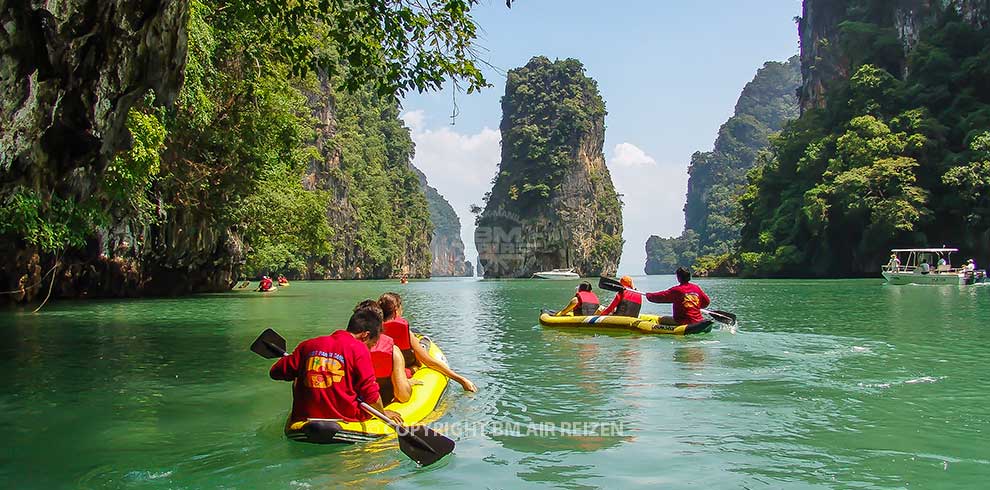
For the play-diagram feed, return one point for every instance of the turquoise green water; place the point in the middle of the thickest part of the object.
(828, 384)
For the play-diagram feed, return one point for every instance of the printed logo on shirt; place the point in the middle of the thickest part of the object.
(323, 372)
(691, 300)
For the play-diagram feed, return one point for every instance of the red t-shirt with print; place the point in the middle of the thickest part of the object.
(330, 374)
(688, 300)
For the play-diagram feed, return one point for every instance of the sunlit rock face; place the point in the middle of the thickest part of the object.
(552, 204)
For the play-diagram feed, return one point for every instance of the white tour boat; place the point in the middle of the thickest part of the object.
(558, 274)
(929, 266)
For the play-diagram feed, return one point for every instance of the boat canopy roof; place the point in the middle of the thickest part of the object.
(895, 250)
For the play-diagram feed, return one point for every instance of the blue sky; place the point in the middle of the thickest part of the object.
(670, 73)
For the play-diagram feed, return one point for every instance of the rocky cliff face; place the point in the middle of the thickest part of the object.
(718, 177)
(71, 72)
(76, 74)
(552, 204)
(823, 60)
(368, 187)
(446, 246)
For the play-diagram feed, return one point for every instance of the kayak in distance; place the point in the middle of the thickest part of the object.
(645, 323)
(422, 404)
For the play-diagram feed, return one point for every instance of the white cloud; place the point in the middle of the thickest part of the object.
(629, 155)
(459, 165)
(653, 195)
(414, 119)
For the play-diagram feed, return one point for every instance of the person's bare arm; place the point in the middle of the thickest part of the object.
(401, 387)
(569, 308)
(427, 360)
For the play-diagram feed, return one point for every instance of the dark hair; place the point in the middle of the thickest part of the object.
(366, 319)
(390, 303)
(370, 303)
(683, 275)
(584, 286)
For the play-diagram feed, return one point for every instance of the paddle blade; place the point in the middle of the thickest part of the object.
(269, 345)
(609, 284)
(722, 316)
(424, 445)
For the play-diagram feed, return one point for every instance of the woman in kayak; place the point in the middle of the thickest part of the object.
(626, 302)
(394, 380)
(414, 354)
(584, 302)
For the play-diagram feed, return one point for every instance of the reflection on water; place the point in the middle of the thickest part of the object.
(830, 384)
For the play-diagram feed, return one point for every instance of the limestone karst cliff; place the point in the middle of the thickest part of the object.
(166, 147)
(891, 149)
(552, 204)
(718, 177)
(446, 246)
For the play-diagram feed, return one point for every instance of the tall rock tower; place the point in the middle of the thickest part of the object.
(552, 204)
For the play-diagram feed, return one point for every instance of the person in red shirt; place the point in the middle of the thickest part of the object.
(626, 302)
(583, 303)
(266, 284)
(330, 374)
(687, 298)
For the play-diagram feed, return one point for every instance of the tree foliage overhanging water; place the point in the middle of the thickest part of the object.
(283, 149)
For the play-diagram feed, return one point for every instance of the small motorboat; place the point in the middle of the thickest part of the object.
(558, 274)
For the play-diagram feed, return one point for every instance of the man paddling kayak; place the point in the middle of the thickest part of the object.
(687, 299)
(333, 373)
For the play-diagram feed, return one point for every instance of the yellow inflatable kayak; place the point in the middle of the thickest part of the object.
(645, 323)
(424, 401)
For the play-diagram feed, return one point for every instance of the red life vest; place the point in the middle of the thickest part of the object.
(587, 303)
(630, 304)
(398, 329)
(381, 356)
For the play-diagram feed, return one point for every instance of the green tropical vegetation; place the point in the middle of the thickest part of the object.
(896, 157)
(552, 199)
(283, 148)
(718, 177)
(546, 107)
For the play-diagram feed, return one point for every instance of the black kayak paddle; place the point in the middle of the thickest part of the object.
(717, 315)
(422, 444)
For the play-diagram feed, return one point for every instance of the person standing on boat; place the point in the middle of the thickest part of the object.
(333, 373)
(894, 264)
(687, 299)
(584, 302)
(970, 265)
(626, 302)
